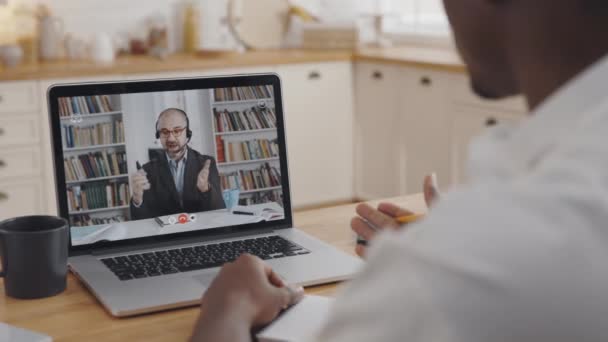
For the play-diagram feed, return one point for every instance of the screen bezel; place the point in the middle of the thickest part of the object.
(133, 87)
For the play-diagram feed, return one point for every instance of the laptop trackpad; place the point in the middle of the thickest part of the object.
(205, 279)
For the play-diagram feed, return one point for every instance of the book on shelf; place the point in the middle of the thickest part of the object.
(265, 176)
(235, 151)
(83, 105)
(85, 220)
(105, 133)
(255, 118)
(98, 195)
(242, 93)
(95, 165)
(263, 197)
(221, 156)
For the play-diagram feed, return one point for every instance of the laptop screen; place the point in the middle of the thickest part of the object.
(147, 164)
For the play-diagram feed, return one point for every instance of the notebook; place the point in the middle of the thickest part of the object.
(300, 323)
(9, 333)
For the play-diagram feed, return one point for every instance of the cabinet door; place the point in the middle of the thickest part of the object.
(423, 129)
(318, 107)
(467, 123)
(19, 198)
(377, 163)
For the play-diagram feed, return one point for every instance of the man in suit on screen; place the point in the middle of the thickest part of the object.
(180, 179)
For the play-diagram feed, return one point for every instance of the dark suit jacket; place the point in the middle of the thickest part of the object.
(163, 199)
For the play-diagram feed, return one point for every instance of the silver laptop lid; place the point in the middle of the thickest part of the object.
(154, 161)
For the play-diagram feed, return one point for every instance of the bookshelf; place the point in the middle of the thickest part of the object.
(95, 161)
(245, 144)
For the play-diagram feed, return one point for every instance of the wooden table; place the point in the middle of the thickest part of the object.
(75, 315)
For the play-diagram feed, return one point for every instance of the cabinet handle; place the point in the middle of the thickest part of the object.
(1, 98)
(3, 196)
(490, 122)
(2, 164)
(426, 81)
(377, 75)
(1, 131)
(314, 75)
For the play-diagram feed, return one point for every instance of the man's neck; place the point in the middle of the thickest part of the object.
(177, 157)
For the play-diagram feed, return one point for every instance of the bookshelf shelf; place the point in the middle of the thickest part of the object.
(258, 138)
(254, 101)
(252, 131)
(100, 210)
(244, 192)
(243, 162)
(93, 148)
(88, 116)
(96, 179)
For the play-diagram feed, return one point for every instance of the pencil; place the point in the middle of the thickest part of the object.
(410, 218)
(402, 220)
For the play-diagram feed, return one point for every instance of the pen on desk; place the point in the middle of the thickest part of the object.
(243, 213)
(401, 219)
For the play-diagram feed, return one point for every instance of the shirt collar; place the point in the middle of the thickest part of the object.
(172, 162)
(550, 123)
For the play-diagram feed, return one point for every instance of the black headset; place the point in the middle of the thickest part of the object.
(188, 131)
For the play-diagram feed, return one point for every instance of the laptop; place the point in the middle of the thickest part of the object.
(164, 181)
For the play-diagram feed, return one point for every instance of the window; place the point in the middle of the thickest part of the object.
(415, 17)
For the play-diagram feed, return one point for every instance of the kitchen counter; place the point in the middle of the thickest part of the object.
(434, 58)
(421, 57)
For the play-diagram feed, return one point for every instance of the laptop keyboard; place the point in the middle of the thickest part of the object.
(153, 264)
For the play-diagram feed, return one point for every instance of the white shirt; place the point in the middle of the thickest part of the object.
(518, 254)
(178, 168)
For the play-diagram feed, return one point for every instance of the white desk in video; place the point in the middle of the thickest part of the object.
(152, 227)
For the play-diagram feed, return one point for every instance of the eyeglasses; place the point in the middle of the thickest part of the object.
(176, 132)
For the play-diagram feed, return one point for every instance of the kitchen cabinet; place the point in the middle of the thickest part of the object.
(424, 131)
(402, 132)
(466, 123)
(20, 149)
(411, 121)
(377, 111)
(318, 101)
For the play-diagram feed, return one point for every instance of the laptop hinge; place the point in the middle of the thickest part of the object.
(177, 242)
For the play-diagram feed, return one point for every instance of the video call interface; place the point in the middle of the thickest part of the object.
(145, 164)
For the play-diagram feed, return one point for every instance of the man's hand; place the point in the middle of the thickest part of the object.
(202, 182)
(371, 221)
(245, 294)
(140, 183)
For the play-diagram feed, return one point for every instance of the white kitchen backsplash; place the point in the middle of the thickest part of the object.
(84, 18)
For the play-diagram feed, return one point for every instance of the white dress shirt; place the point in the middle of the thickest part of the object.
(518, 254)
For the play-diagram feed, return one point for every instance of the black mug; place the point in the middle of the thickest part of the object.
(34, 253)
